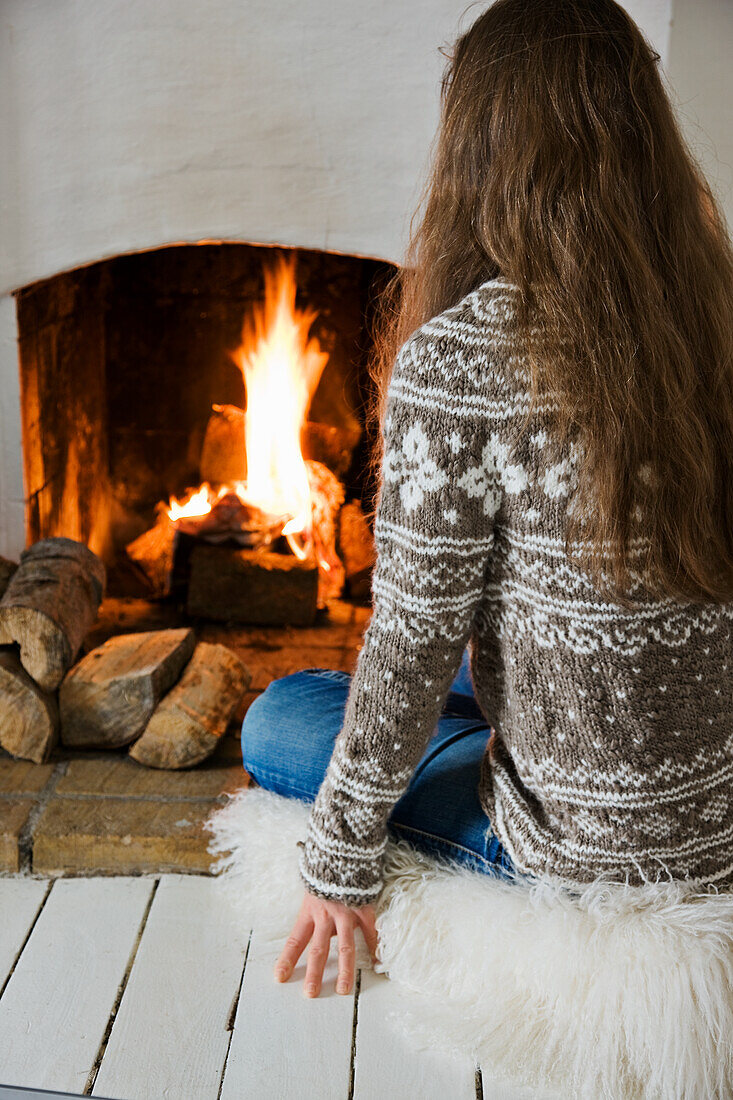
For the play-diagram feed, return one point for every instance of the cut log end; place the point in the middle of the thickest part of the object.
(45, 650)
(108, 698)
(50, 604)
(188, 723)
(357, 550)
(153, 554)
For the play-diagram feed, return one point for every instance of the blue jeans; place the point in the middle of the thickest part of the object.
(288, 735)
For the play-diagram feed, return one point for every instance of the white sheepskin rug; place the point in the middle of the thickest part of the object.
(624, 993)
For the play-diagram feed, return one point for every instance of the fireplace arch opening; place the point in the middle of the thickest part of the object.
(129, 385)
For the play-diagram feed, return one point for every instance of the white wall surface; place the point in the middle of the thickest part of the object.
(700, 68)
(12, 503)
(133, 123)
(128, 124)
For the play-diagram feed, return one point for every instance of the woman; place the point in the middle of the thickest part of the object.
(556, 495)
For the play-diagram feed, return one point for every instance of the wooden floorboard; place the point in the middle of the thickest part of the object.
(55, 1008)
(493, 1091)
(311, 1036)
(139, 989)
(20, 901)
(171, 1033)
(387, 1065)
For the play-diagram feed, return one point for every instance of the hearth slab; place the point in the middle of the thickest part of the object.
(120, 836)
(122, 778)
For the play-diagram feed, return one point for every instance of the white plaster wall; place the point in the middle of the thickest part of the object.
(12, 503)
(133, 123)
(128, 124)
(701, 72)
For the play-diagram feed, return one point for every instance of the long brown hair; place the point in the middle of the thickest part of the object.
(559, 165)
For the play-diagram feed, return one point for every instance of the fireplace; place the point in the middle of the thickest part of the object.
(134, 413)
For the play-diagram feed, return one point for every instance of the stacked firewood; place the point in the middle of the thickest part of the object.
(158, 692)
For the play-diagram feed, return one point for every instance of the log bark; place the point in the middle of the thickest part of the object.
(189, 721)
(252, 586)
(7, 568)
(107, 699)
(49, 605)
(327, 496)
(332, 446)
(29, 717)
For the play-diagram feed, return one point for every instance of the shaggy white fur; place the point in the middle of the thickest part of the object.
(616, 992)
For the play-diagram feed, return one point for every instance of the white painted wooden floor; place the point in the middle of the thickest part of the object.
(139, 989)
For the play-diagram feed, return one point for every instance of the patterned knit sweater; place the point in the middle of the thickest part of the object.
(612, 745)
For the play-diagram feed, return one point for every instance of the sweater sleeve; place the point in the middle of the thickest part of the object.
(439, 493)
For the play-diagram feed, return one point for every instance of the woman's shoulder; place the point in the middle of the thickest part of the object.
(469, 340)
(483, 315)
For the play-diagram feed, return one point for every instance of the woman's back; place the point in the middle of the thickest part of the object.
(613, 743)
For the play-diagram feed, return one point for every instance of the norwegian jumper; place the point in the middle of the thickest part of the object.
(611, 755)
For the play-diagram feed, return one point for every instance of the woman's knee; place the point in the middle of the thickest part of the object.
(263, 720)
(289, 730)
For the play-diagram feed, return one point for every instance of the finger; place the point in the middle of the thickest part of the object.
(317, 957)
(366, 922)
(295, 944)
(346, 953)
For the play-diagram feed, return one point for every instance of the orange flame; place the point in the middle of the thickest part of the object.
(281, 367)
(198, 503)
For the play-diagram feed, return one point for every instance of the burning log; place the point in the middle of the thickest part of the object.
(331, 445)
(252, 586)
(327, 496)
(49, 605)
(29, 720)
(7, 568)
(154, 552)
(223, 456)
(357, 549)
(187, 724)
(223, 459)
(231, 518)
(108, 698)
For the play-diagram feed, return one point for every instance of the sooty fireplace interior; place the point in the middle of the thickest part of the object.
(196, 415)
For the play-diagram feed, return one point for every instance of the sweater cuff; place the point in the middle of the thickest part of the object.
(353, 887)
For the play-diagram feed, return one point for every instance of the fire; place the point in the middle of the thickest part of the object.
(281, 366)
(198, 503)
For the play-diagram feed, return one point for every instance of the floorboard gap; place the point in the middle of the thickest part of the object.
(120, 993)
(41, 907)
(352, 1064)
(232, 1017)
(25, 840)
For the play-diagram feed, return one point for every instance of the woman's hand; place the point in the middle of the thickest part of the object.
(317, 921)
